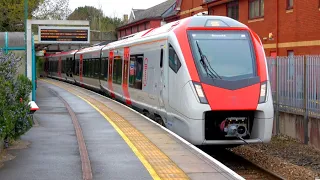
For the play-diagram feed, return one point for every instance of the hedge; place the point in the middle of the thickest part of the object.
(14, 99)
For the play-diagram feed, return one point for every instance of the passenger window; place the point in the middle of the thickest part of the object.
(84, 66)
(174, 62)
(105, 70)
(96, 70)
(76, 70)
(92, 62)
(136, 71)
(117, 70)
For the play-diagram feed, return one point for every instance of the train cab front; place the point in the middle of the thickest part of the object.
(233, 82)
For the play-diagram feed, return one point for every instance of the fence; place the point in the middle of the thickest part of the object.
(295, 84)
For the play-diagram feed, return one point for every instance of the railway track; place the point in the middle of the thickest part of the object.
(240, 165)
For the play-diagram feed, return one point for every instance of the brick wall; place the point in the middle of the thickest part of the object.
(142, 26)
(189, 5)
(219, 10)
(303, 24)
(155, 23)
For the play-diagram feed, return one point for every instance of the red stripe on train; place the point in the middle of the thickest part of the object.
(125, 75)
(110, 75)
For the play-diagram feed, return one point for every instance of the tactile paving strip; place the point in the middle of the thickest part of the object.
(165, 168)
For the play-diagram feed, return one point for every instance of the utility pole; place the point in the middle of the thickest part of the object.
(25, 31)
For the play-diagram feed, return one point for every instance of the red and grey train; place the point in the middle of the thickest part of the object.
(203, 77)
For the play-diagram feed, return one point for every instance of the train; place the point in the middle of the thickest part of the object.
(205, 78)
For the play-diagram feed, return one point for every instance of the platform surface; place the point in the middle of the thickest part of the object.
(121, 143)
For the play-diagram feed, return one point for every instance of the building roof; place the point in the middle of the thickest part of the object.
(153, 12)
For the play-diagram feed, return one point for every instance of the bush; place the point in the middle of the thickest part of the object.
(14, 98)
(40, 65)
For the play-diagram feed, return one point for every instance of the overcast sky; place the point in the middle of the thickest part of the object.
(115, 7)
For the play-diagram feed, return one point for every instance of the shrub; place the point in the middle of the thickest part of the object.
(14, 98)
(40, 65)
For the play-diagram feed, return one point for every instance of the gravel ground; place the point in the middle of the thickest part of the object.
(284, 156)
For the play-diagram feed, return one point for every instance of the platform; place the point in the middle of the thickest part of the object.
(120, 143)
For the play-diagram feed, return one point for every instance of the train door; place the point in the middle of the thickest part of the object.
(174, 87)
(163, 92)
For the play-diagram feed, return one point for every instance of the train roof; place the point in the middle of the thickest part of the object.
(90, 49)
(65, 53)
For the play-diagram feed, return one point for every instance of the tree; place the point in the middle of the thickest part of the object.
(86, 13)
(98, 21)
(53, 10)
(12, 18)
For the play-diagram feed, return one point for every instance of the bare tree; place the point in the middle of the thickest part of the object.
(53, 9)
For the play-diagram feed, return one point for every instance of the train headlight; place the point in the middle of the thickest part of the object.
(263, 92)
(200, 93)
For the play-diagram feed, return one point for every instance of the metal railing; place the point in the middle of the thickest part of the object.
(295, 84)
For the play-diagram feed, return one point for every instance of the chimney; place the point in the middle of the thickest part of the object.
(125, 17)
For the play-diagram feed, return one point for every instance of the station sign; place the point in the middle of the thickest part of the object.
(64, 35)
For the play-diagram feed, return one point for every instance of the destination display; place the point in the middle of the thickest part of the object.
(64, 34)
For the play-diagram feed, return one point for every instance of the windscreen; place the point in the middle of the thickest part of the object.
(227, 55)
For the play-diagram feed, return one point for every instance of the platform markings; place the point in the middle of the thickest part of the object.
(160, 166)
(127, 140)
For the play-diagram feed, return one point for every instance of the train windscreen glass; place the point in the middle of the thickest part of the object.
(226, 55)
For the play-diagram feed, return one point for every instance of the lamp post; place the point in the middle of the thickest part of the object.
(25, 31)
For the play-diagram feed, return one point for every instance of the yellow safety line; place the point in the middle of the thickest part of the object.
(146, 164)
(126, 139)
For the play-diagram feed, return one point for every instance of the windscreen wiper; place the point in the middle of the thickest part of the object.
(209, 70)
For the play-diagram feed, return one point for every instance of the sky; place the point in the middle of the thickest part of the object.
(113, 8)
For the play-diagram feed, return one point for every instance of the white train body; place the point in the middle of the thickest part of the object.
(156, 72)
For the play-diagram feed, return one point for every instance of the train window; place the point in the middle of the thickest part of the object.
(89, 67)
(117, 70)
(86, 68)
(161, 58)
(73, 64)
(97, 68)
(174, 62)
(105, 69)
(67, 70)
(76, 70)
(102, 68)
(95, 72)
(135, 71)
(92, 63)
(62, 66)
(132, 77)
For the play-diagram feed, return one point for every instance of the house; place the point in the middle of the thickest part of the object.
(141, 20)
